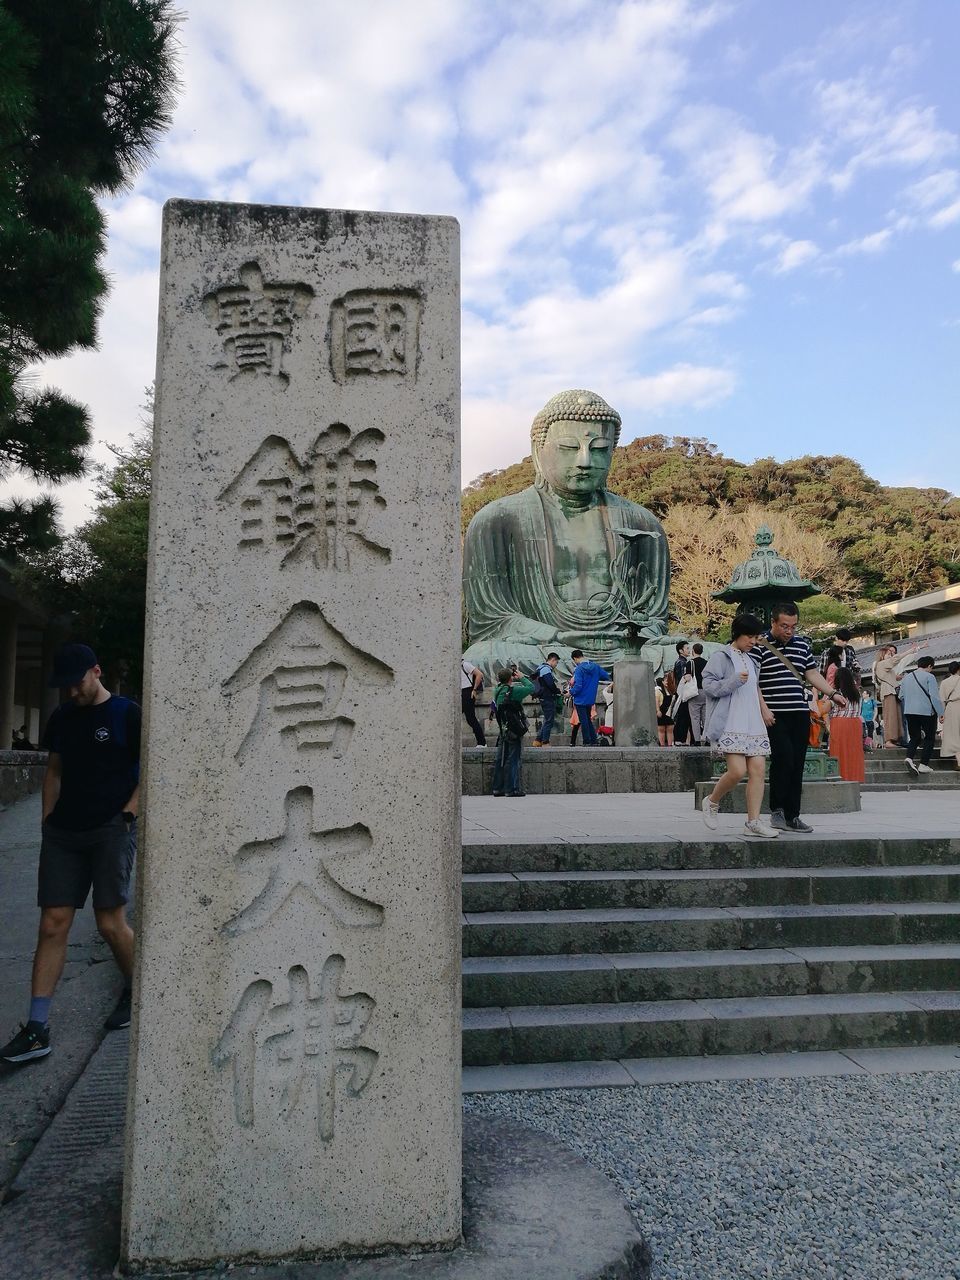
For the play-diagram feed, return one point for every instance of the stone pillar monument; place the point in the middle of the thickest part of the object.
(295, 1083)
(634, 704)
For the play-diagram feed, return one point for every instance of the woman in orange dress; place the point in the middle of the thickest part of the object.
(846, 725)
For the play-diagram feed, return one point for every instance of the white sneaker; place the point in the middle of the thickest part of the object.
(710, 812)
(914, 768)
(924, 768)
(760, 830)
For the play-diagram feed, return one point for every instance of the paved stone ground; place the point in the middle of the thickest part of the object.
(31, 1095)
(671, 815)
(798, 1178)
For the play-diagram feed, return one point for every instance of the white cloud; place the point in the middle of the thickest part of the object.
(933, 189)
(608, 214)
(795, 255)
(747, 177)
(877, 242)
(946, 216)
(877, 131)
(496, 430)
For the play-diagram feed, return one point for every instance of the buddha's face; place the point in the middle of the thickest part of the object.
(575, 457)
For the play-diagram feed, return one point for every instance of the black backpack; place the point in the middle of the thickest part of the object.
(511, 717)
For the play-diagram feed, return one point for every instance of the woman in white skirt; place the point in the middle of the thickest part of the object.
(736, 727)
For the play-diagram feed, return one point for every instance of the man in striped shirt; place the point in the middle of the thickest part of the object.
(786, 696)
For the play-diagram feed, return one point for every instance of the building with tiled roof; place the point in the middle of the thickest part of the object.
(932, 620)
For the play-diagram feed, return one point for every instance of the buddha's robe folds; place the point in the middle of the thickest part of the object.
(520, 553)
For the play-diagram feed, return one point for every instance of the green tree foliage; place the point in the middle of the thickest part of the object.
(889, 542)
(85, 90)
(98, 576)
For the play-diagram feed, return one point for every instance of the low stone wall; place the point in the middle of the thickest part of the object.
(593, 770)
(828, 795)
(21, 773)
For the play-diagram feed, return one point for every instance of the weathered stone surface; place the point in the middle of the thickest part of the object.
(593, 770)
(21, 773)
(295, 1079)
(531, 1208)
(634, 704)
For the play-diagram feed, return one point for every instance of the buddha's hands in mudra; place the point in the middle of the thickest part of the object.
(609, 636)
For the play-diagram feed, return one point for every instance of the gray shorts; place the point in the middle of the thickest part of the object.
(72, 861)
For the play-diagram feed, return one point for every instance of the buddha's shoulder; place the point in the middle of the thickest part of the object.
(626, 507)
(505, 508)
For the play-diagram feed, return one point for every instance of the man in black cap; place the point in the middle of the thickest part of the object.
(90, 801)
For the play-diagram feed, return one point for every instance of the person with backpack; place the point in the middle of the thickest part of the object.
(508, 697)
(922, 707)
(471, 682)
(91, 791)
(583, 693)
(548, 693)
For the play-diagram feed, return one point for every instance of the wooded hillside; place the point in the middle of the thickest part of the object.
(864, 542)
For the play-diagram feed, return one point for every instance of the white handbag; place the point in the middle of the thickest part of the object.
(687, 688)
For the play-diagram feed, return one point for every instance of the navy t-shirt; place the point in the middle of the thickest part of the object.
(99, 749)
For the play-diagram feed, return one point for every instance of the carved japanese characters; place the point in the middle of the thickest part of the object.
(295, 1063)
(375, 333)
(305, 861)
(326, 507)
(307, 675)
(254, 319)
(284, 1052)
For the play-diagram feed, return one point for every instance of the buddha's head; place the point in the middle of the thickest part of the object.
(573, 438)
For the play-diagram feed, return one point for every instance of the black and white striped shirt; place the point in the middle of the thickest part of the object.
(781, 689)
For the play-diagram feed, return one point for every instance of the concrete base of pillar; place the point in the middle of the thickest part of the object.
(531, 1208)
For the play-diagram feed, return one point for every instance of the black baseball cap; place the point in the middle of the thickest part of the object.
(71, 664)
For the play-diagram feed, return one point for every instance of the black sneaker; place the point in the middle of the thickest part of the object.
(31, 1041)
(912, 765)
(778, 820)
(120, 1017)
(798, 824)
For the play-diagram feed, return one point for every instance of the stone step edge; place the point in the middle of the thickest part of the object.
(638, 1072)
(712, 840)
(727, 1009)
(650, 915)
(686, 874)
(680, 961)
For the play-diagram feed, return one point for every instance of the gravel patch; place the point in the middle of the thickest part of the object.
(809, 1179)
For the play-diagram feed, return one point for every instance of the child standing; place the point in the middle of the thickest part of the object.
(737, 720)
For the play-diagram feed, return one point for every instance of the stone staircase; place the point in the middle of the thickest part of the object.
(606, 951)
(886, 770)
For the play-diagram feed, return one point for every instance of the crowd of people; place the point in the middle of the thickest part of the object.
(795, 702)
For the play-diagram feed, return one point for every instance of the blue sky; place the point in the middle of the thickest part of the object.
(738, 220)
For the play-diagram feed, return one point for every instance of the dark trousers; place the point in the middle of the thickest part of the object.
(788, 750)
(681, 724)
(508, 766)
(924, 727)
(470, 711)
(588, 733)
(548, 708)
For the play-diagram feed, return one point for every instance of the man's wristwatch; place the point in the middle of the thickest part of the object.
(127, 816)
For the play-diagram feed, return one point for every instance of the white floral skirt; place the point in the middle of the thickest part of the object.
(742, 744)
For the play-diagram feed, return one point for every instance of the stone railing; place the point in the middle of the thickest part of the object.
(593, 770)
(21, 773)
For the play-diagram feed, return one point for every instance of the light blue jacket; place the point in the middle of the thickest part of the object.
(721, 679)
(915, 688)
